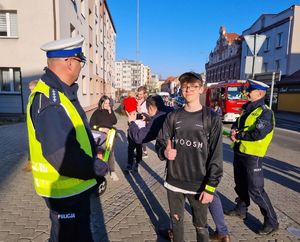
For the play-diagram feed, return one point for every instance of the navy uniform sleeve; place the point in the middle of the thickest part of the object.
(59, 144)
(215, 156)
(264, 125)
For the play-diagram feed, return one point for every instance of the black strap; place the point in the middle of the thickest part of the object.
(173, 122)
(206, 116)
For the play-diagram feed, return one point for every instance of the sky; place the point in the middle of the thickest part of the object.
(176, 36)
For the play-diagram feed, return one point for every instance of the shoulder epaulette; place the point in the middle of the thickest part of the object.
(54, 96)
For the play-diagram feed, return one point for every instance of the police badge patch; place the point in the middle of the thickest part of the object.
(260, 124)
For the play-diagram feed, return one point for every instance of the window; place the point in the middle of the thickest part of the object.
(72, 31)
(267, 44)
(8, 24)
(10, 80)
(84, 85)
(277, 65)
(279, 40)
(265, 67)
(82, 8)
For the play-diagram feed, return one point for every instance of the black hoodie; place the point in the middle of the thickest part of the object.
(198, 162)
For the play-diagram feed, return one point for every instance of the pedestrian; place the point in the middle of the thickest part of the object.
(63, 154)
(252, 134)
(31, 86)
(142, 109)
(221, 233)
(130, 103)
(217, 108)
(103, 119)
(194, 157)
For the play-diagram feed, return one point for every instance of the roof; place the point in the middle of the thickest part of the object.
(171, 78)
(231, 37)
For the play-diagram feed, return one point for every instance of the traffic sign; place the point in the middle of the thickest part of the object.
(258, 63)
(254, 42)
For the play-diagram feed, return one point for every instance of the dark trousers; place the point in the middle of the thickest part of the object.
(71, 226)
(199, 213)
(217, 214)
(249, 183)
(131, 147)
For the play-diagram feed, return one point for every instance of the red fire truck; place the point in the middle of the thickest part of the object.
(227, 97)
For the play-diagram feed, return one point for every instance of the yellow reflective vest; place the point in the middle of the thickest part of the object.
(258, 147)
(47, 181)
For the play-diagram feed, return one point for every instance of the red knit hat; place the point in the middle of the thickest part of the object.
(130, 104)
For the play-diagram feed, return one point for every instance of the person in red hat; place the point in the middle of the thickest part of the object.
(130, 103)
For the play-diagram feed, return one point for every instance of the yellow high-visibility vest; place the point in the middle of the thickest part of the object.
(258, 147)
(47, 181)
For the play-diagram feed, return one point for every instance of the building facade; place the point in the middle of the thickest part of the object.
(280, 52)
(131, 74)
(224, 60)
(23, 29)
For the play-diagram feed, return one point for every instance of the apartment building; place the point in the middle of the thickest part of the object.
(280, 52)
(131, 74)
(24, 28)
(224, 60)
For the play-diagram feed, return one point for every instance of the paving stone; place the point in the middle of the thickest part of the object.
(130, 206)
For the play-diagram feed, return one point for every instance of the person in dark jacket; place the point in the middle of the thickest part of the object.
(252, 134)
(157, 114)
(65, 166)
(194, 164)
(102, 120)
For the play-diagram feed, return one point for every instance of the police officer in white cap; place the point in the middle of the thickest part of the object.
(65, 166)
(252, 134)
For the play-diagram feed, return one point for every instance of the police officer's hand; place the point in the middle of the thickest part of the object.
(105, 130)
(233, 133)
(205, 197)
(100, 155)
(169, 152)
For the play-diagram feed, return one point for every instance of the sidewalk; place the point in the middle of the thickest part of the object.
(135, 207)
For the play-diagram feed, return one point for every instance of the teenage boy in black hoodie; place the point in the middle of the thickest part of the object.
(194, 163)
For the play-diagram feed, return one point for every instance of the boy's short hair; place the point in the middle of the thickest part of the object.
(142, 88)
(155, 100)
(190, 77)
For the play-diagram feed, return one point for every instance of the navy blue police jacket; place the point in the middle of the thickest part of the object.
(55, 131)
(263, 126)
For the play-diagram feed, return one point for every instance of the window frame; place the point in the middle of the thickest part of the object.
(279, 40)
(12, 71)
(267, 45)
(9, 31)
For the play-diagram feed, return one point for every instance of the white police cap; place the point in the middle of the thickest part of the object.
(257, 85)
(64, 48)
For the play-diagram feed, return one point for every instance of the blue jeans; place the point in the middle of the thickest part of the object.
(216, 211)
(199, 213)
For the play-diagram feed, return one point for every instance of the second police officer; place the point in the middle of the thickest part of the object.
(252, 134)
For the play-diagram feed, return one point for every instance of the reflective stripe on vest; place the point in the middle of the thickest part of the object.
(47, 181)
(109, 143)
(258, 147)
